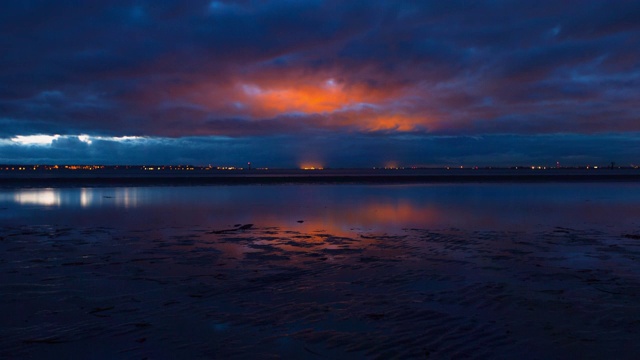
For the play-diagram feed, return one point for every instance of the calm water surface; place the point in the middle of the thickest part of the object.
(337, 209)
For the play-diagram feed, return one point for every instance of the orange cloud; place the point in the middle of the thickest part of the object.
(395, 122)
(332, 103)
(382, 120)
(306, 96)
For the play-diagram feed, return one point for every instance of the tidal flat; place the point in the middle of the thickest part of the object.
(321, 271)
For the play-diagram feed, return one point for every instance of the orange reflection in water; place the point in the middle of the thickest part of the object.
(350, 221)
(302, 209)
(326, 233)
(402, 213)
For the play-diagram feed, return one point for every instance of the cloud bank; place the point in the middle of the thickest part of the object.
(335, 74)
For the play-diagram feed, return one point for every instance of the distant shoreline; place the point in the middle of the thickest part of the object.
(158, 178)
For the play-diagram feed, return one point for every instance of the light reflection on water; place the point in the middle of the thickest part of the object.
(45, 197)
(120, 197)
(337, 209)
(72, 198)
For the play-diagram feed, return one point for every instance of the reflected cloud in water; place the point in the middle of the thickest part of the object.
(86, 198)
(119, 197)
(336, 209)
(74, 198)
(44, 197)
(125, 197)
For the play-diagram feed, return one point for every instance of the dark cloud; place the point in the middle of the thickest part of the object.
(303, 69)
(337, 150)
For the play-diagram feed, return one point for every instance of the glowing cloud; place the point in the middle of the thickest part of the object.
(34, 139)
(304, 99)
(47, 140)
(257, 72)
(119, 138)
(84, 139)
(395, 122)
(319, 98)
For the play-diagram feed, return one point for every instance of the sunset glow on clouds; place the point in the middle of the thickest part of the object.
(273, 77)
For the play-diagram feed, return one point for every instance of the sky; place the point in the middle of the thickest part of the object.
(295, 83)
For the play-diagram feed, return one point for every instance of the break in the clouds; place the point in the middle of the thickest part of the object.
(351, 83)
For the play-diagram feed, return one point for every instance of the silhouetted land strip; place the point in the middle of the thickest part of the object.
(137, 178)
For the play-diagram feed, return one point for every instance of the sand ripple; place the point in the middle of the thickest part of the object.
(262, 292)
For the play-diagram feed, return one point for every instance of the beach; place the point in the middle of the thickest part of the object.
(153, 279)
(320, 180)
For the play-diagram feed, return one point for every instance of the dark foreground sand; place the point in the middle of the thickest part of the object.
(103, 293)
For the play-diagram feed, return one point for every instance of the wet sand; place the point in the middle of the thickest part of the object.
(282, 292)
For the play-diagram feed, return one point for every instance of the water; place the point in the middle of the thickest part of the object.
(478, 271)
(338, 209)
